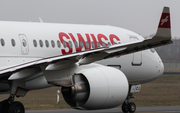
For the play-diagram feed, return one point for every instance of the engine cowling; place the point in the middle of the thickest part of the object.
(97, 87)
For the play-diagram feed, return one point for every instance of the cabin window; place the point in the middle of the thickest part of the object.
(103, 44)
(58, 44)
(13, 42)
(70, 44)
(35, 43)
(93, 45)
(109, 44)
(52, 43)
(87, 44)
(81, 44)
(47, 43)
(76, 44)
(41, 43)
(64, 44)
(2, 42)
(98, 44)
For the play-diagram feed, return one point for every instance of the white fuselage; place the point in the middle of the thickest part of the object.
(97, 67)
(20, 43)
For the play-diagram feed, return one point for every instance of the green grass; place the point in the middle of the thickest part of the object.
(164, 91)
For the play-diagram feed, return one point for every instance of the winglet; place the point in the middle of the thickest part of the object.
(164, 28)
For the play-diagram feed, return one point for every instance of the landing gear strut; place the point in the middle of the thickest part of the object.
(9, 106)
(129, 106)
(17, 88)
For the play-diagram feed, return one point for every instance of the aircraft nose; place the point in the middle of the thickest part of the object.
(160, 66)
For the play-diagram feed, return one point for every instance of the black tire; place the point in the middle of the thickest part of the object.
(124, 107)
(4, 106)
(132, 107)
(16, 107)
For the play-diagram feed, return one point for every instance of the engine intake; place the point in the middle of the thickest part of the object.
(78, 93)
(96, 87)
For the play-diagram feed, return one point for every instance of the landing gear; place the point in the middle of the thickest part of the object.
(16, 107)
(9, 106)
(4, 106)
(129, 106)
(17, 88)
(125, 108)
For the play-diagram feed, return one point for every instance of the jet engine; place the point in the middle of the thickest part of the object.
(97, 87)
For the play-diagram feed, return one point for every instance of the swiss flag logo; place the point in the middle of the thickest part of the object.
(165, 21)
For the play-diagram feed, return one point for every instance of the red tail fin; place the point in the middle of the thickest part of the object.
(165, 19)
(164, 28)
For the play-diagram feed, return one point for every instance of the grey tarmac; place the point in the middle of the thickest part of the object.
(157, 109)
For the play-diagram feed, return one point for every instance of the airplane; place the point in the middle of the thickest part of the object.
(95, 65)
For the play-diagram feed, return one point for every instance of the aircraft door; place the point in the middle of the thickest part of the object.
(24, 44)
(137, 56)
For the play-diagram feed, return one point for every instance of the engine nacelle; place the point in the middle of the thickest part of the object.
(97, 87)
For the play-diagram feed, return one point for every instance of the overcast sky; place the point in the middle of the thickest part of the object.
(141, 16)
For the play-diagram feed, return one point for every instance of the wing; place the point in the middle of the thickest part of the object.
(162, 37)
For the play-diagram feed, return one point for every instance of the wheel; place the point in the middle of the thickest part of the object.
(4, 106)
(131, 107)
(16, 107)
(125, 108)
